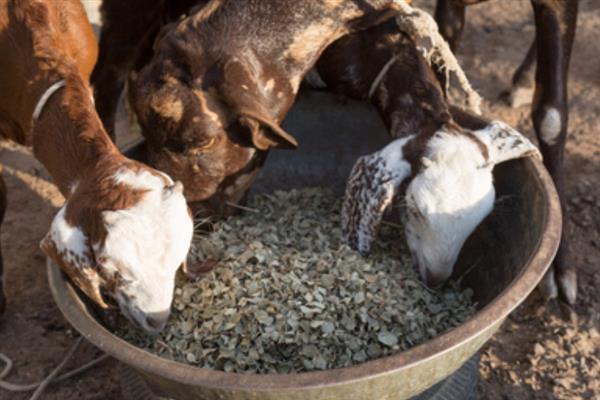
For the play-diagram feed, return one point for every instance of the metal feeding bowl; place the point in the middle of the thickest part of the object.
(504, 260)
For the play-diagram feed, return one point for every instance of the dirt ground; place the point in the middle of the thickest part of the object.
(536, 354)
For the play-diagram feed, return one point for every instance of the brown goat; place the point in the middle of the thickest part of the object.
(100, 237)
(221, 80)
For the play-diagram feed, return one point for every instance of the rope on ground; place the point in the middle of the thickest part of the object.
(424, 31)
(39, 387)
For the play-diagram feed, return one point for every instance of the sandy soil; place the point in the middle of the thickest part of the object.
(536, 355)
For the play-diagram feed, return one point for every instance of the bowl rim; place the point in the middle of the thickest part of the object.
(73, 308)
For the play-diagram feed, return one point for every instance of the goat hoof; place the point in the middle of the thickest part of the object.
(567, 313)
(548, 285)
(567, 285)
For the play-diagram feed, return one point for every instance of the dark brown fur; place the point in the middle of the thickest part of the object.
(233, 72)
(129, 31)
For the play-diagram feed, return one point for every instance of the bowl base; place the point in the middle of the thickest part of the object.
(461, 385)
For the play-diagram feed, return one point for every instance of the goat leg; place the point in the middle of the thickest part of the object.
(450, 17)
(521, 91)
(2, 211)
(555, 22)
(118, 43)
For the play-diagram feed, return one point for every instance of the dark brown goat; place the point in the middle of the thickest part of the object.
(555, 22)
(221, 80)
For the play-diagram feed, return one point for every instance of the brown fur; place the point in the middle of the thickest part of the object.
(408, 97)
(243, 61)
(43, 42)
(80, 270)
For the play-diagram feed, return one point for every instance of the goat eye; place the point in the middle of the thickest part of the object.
(203, 145)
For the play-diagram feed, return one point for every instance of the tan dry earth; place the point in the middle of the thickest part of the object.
(534, 356)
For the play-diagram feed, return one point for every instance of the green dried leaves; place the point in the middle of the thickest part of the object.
(286, 296)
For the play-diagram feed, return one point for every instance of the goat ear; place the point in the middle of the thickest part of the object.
(240, 91)
(505, 143)
(371, 187)
(266, 134)
(68, 248)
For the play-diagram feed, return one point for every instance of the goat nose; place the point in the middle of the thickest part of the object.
(433, 280)
(157, 321)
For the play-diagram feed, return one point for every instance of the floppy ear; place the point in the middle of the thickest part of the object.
(371, 187)
(505, 143)
(266, 134)
(240, 91)
(68, 248)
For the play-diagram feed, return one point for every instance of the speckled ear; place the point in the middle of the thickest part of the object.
(77, 262)
(505, 143)
(370, 189)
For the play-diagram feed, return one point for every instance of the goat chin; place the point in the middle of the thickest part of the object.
(437, 222)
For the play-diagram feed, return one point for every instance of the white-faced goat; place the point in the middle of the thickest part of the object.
(125, 228)
(450, 191)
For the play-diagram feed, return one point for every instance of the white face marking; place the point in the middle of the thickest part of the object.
(69, 247)
(445, 202)
(141, 179)
(145, 245)
(551, 126)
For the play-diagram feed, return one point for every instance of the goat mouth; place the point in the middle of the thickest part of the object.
(108, 299)
(425, 276)
(231, 194)
(218, 206)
